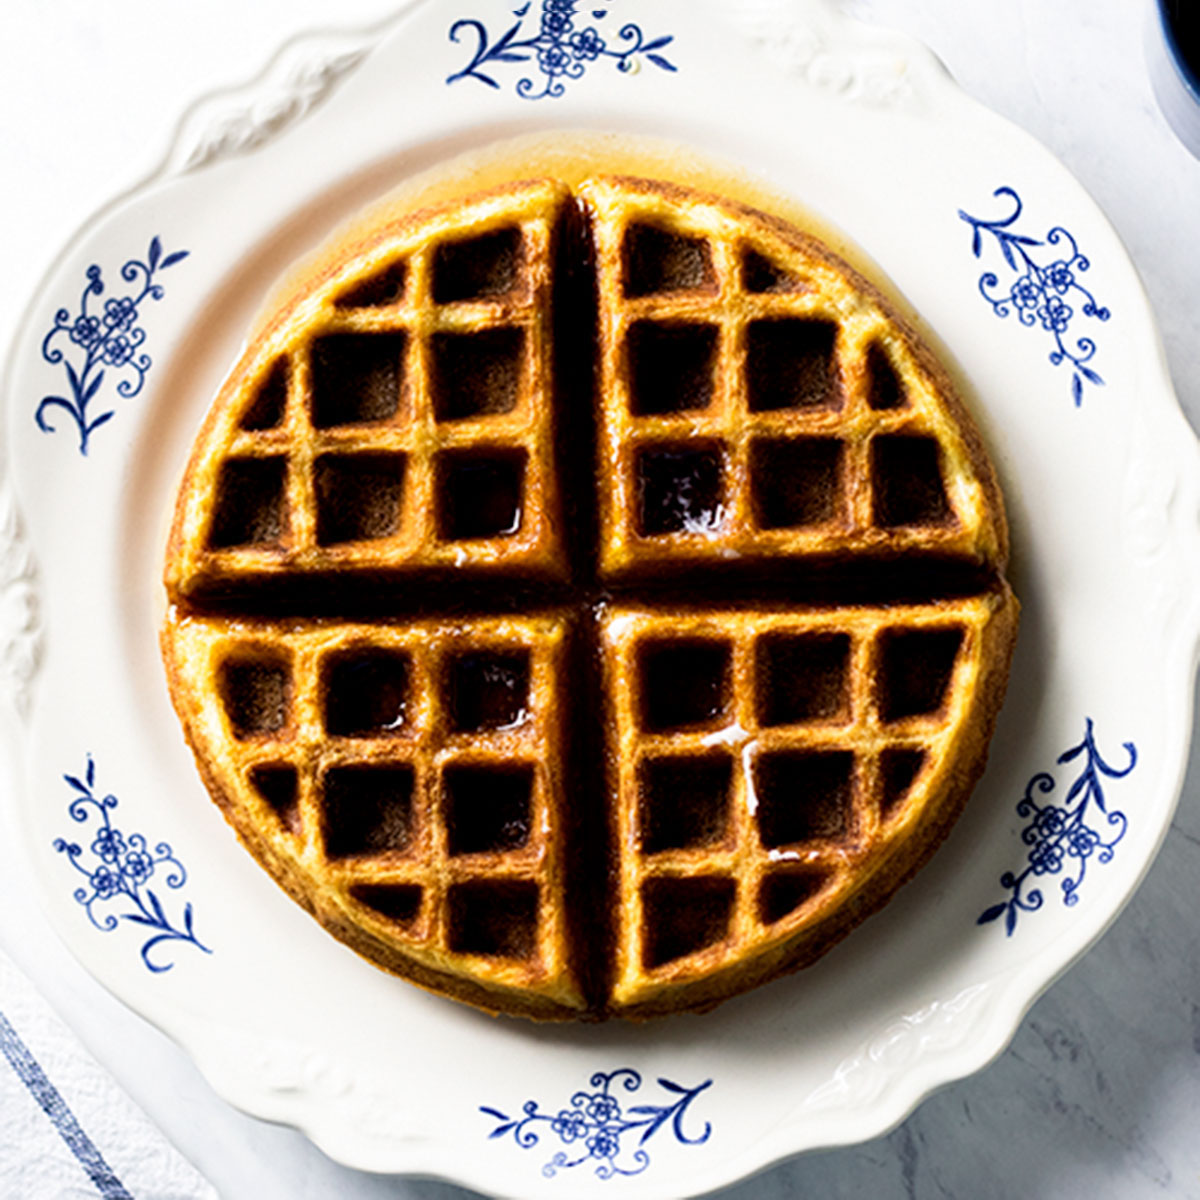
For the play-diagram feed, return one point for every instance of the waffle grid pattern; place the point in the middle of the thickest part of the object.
(381, 455)
(398, 421)
(712, 797)
(423, 788)
(790, 377)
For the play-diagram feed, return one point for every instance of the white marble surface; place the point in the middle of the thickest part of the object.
(1098, 1093)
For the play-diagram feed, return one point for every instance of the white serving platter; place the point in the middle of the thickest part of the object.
(997, 250)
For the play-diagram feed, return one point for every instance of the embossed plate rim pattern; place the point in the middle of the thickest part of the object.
(59, 595)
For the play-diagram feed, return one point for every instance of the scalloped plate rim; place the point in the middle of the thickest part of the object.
(1017, 993)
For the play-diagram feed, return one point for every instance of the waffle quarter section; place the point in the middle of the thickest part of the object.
(404, 782)
(758, 400)
(776, 776)
(394, 419)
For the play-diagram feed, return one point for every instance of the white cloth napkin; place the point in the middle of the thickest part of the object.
(67, 1131)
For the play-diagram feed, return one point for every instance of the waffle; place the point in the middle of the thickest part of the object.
(588, 601)
(759, 402)
(810, 765)
(391, 415)
(405, 782)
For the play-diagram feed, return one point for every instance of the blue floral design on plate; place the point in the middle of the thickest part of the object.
(562, 49)
(1062, 836)
(1042, 294)
(121, 872)
(594, 1124)
(103, 340)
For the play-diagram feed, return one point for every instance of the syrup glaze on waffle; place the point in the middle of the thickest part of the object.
(588, 602)
(417, 770)
(754, 412)
(396, 412)
(759, 811)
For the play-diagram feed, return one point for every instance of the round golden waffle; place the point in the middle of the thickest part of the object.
(588, 601)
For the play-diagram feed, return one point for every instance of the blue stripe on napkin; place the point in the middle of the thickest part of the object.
(55, 1107)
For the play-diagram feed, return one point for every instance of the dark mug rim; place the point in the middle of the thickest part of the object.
(1190, 77)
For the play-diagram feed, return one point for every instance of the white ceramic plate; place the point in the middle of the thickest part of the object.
(1038, 304)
